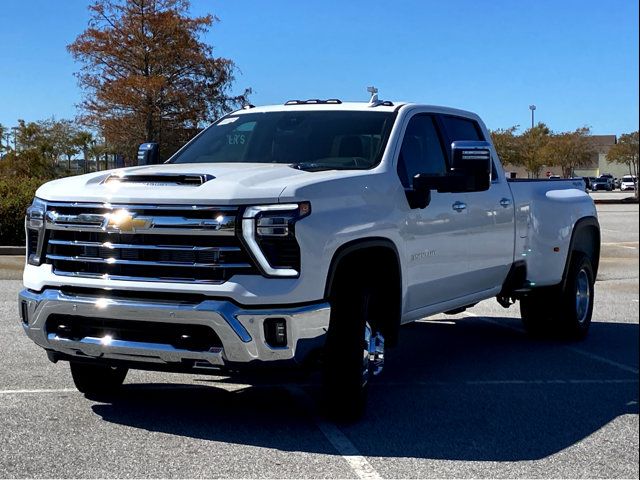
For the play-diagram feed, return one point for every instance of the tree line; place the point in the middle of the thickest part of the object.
(538, 147)
(46, 148)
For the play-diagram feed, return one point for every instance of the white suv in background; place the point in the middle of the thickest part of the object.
(628, 182)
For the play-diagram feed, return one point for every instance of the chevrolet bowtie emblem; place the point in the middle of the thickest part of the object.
(123, 221)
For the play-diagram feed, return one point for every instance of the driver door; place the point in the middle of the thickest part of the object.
(434, 237)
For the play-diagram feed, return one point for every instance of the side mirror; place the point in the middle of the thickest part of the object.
(470, 170)
(148, 154)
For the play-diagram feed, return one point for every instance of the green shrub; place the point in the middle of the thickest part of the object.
(16, 194)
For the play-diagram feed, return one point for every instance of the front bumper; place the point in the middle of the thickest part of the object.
(240, 330)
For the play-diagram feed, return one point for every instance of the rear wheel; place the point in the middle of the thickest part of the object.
(97, 380)
(562, 312)
(354, 350)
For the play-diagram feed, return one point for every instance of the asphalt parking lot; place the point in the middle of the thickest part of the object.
(464, 396)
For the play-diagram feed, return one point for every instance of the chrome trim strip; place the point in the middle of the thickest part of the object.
(125, 246)
(98, 347)
(107, 276)
(150, 263)
(141, 206)
(162, 225)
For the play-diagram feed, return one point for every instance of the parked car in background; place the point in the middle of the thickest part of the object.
(603, 182)
(628, 182)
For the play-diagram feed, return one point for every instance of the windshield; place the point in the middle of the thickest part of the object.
(308, 139)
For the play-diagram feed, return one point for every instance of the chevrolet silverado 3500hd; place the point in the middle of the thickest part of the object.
(306, 231)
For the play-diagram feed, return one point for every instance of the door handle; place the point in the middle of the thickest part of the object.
(505, 202)
(459, 206)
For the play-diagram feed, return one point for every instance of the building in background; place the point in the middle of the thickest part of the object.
(599, 164)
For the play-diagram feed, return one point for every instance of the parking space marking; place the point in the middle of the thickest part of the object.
(629, 245)
(347, 450)
(38, 390)
(580, 351)
(613, 363)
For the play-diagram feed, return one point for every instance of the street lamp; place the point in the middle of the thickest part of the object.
(532, 108)
(15, 138)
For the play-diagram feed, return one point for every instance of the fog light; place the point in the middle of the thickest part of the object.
(275, 332)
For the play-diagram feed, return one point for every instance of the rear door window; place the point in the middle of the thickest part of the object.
(459, 128)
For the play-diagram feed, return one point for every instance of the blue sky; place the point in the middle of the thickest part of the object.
(576, 60)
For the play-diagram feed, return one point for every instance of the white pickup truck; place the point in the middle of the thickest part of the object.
(299, 234)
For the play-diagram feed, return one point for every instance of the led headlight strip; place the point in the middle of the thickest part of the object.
(275, 228)
(34, 221)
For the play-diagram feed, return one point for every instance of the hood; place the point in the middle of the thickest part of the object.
(222, 184)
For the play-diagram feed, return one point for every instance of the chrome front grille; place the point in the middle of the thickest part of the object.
(144, 242)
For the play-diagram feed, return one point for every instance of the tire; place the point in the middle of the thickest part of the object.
(97, 381)
(562, 313)
(346, 366)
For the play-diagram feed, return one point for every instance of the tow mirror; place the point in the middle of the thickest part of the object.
(148, 154)
(470, 170)
(471, 165)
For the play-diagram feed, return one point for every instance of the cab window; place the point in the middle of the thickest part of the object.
(421, 150)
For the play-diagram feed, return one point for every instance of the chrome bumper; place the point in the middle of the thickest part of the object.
(240, 330)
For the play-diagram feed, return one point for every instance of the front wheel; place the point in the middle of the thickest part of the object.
(562, 312)
(97, 380)
(354, 350)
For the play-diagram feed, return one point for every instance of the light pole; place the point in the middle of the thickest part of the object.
(532, 108)
(15, 138)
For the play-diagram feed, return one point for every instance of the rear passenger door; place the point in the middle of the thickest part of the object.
(433, 236)
(490, 228)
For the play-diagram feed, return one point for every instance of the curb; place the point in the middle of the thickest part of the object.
(12, 250)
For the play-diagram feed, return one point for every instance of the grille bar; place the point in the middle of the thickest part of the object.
(117, 261)
(126, 222)
(129, 246)
(141, 206)
(108, 276)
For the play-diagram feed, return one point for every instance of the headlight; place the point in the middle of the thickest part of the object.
(34, 230)
(269, 232)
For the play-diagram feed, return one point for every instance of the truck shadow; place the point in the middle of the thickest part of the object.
(461, 390)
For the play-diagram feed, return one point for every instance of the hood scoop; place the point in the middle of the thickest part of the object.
(162, 179)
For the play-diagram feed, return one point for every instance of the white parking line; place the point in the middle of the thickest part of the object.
(580, 351)
(38, 390)
(593, 356)
(359, 464)
(629, 245)
(347, 450)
